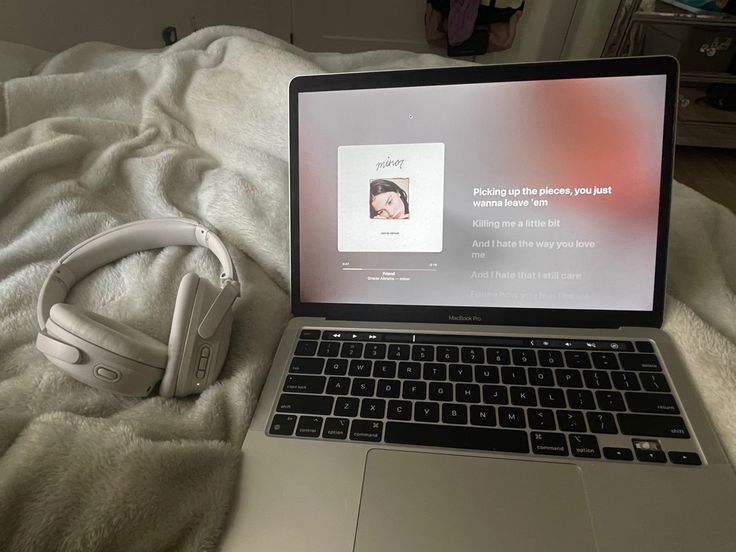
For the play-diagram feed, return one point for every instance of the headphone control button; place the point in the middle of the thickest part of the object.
(106, 374)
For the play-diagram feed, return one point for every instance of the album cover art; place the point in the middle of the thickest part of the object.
(390, 197)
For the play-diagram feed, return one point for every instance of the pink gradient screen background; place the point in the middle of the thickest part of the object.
(562, 134)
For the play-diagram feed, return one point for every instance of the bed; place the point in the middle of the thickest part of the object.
(100, 135)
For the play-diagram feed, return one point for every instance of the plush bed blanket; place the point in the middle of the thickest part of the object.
(100, 135)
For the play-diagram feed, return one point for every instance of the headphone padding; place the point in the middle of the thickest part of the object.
(109, 334)
(180, 322)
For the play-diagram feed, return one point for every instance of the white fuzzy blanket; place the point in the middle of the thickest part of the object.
(102, 135)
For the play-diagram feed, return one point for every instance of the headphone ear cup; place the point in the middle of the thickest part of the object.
(111, 355)
(194, 362)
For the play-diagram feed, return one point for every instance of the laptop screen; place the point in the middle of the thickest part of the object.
(533, 194)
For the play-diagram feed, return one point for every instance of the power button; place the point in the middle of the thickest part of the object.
(106, 374)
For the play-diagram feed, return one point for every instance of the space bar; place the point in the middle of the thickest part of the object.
(464, 437)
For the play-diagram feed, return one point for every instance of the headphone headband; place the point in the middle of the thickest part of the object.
(124, 240)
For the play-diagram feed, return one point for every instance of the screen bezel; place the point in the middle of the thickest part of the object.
(589, 318)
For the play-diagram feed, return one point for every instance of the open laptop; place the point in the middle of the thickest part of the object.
(478, 269)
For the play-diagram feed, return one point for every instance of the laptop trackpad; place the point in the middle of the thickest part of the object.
(440, 502)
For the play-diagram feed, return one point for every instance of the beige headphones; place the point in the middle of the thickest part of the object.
(110, 355)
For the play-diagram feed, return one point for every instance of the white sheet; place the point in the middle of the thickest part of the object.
(102, 135)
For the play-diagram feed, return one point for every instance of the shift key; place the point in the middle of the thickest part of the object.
(305, 404)
(652, 425)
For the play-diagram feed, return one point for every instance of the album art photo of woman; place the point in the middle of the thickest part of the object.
(388, 200)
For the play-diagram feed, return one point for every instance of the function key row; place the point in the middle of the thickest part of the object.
(482, 340)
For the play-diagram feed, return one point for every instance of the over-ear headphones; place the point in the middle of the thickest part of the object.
(107, 354)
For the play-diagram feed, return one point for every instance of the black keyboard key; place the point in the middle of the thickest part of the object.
(625, 381)
(553, 444)
(472, 355)
(551, 359)
(617, 453)
(568, 378)
(337, 385)
(523, 396)
(346, 406)
(552, 397)
(467, 392)
(644, 346)
(584, 446)
(384, 369)
(610, 400)
(440, 391)
(577, 359)
(336, 366)
(462, 437)
(523, 357)
(306, 348)
(422, 352)
(641, 362)
(541, 418)
(304, 404)
(495, 394)
(426, 412)
(309, 426)
(398, 352)
(687, 458)
(653, 425)
(299, 383)
(511, 417)
(651, 381)
(497, 356)
(597, 379)
(571, 420)
(414, 390)
(461, 372)
(655, 403)
(448, 354)
(482, 415)
(375, 351)
(336, 428)
(486, 374)
(306, 365)
(310, 334)
(513, 375)
(360, 367)
(282, 424)
(329, 349)
(454, 413)
(601, 422)
(372, 408)
(366, 430)
(605, 361)
(363, 387)
(656, 456)
(399, 410)
(435, 371)
(388, 388)
(410, 370)
(580, 398)
(351, 349)
(541, 376)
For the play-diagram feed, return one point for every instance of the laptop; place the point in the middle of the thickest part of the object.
(475, 362)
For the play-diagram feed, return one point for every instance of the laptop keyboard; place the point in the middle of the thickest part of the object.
(556, 397)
